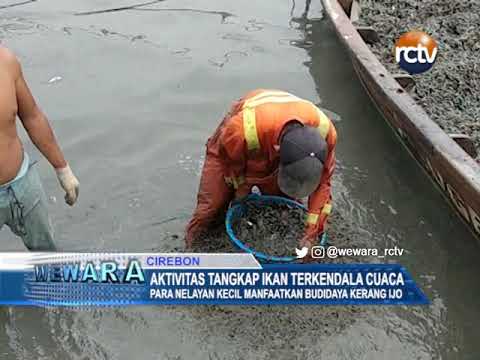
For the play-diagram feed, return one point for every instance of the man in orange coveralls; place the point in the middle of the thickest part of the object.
(278, 142)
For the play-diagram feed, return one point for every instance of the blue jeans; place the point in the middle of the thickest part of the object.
(23, 208)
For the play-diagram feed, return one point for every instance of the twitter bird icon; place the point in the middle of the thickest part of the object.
(301, 253)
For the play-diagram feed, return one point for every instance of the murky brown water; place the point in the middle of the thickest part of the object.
(140, 92)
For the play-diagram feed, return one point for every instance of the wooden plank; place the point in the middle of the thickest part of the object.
(406, 81)
(448, 165)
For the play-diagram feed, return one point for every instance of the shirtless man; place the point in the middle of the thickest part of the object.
(23, 205)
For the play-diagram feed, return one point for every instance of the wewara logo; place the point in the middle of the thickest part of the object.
(415, 52)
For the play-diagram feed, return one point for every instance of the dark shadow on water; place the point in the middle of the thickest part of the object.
(302, 20)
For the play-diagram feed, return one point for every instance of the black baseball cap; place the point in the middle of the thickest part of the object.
(302, 157)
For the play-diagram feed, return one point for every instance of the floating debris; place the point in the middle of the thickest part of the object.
(392, 210)
(55, 79)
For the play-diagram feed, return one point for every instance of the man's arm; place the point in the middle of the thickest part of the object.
(35, 122)
(213, 198)
(40, 132)
(319, 203)
(223, 166)
(232, 154)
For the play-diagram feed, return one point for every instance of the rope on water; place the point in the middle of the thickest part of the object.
(16, 4)
(122, 8)
(223, 14)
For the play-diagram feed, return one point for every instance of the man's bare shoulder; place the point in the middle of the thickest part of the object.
(9, 61)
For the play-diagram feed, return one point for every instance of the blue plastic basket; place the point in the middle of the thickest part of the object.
(237, 210)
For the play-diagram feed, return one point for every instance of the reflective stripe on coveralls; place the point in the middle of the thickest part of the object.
(251, 135)
(235, 181)
(313, 218)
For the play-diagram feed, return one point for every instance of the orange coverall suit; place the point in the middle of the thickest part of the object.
(241, 154)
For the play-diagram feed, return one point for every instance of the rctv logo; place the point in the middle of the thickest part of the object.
(415, 52)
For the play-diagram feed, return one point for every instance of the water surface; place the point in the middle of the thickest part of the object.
(135, 95)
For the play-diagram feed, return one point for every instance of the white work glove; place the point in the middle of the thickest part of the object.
(255, 190)
(69, 183)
